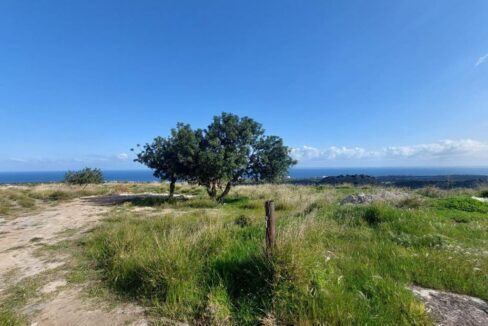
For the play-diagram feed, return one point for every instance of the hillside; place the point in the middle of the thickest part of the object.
(129, 254)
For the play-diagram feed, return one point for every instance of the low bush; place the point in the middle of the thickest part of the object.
(411, 202)
(242, 221)
(84, 177)
(378, 213)
(464, 204)
(432, 192)
(59, 195)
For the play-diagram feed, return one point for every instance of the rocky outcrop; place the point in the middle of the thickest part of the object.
(450, 309)
(385, 196)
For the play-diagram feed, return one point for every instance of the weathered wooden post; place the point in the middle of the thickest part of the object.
(270, 226)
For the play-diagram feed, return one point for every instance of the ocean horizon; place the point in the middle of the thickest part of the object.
(143, 175)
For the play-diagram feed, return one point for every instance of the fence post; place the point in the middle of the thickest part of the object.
(270, 226)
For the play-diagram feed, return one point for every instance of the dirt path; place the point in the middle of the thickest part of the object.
(19, 240)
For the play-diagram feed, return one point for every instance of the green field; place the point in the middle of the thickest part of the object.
(196, 261)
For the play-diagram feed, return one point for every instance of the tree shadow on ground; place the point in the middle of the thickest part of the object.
(136, 199)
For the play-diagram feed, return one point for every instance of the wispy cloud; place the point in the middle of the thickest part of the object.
(122, 156)
(307, 153)
(109, 161)
(481, 60)
(463, 151)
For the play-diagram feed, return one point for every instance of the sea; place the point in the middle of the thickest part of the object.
(142, 175)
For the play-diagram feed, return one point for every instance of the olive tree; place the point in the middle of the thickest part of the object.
(171, 158)
(270, 160)
(232, 149)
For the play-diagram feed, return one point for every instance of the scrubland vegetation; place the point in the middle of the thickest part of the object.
(24, 199)
(197, 261)
(16, 200)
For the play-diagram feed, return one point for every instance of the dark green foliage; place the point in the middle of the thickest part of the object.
(484, 194)
(59, 195)
(271, 160)
(171, 158)
(464, 204)
(225, 149)
(242, 221)
(229, 151)
(84, 176)
(373, 215)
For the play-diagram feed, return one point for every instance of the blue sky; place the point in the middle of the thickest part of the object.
(345, 83)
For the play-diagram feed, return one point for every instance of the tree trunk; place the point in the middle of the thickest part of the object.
(221, 198)
(172, 187)
(212, 190)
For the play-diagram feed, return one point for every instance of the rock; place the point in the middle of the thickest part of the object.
(449, 309)
(385, 196)
(481, 199)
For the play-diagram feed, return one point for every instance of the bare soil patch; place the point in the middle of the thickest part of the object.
(57, 303)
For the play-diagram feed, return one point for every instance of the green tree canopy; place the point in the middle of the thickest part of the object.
(230, 150)
(171, 158)
(270, 160)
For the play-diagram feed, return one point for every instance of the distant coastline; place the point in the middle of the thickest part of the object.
(295, 173)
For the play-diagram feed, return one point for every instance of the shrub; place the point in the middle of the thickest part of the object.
(465, 204)
(58, 195)
(372, 215)
(379, 213)
(83, 177)
(484, 193)
(411, 202)
(242, 221)
(431, 192)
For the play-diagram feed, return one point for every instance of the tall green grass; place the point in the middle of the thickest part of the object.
(332, 264)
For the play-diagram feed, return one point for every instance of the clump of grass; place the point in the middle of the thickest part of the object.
(377, 213)
(411, 202)
(202, 203)
(14, 298)
(242, 221)
(10, 318)
(464, 204)
(428, 241)
(217, 310)
(432, 192)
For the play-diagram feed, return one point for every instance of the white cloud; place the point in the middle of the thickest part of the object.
(444, 148)
(123, 156)
(464, 151)
(331, 153)
(481, 60)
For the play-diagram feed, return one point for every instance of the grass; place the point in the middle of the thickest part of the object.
(24, 199)
(464, 204)
(204, 263)
(193, 260)
(14, 298)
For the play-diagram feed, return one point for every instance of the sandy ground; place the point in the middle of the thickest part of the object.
(19, 240)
